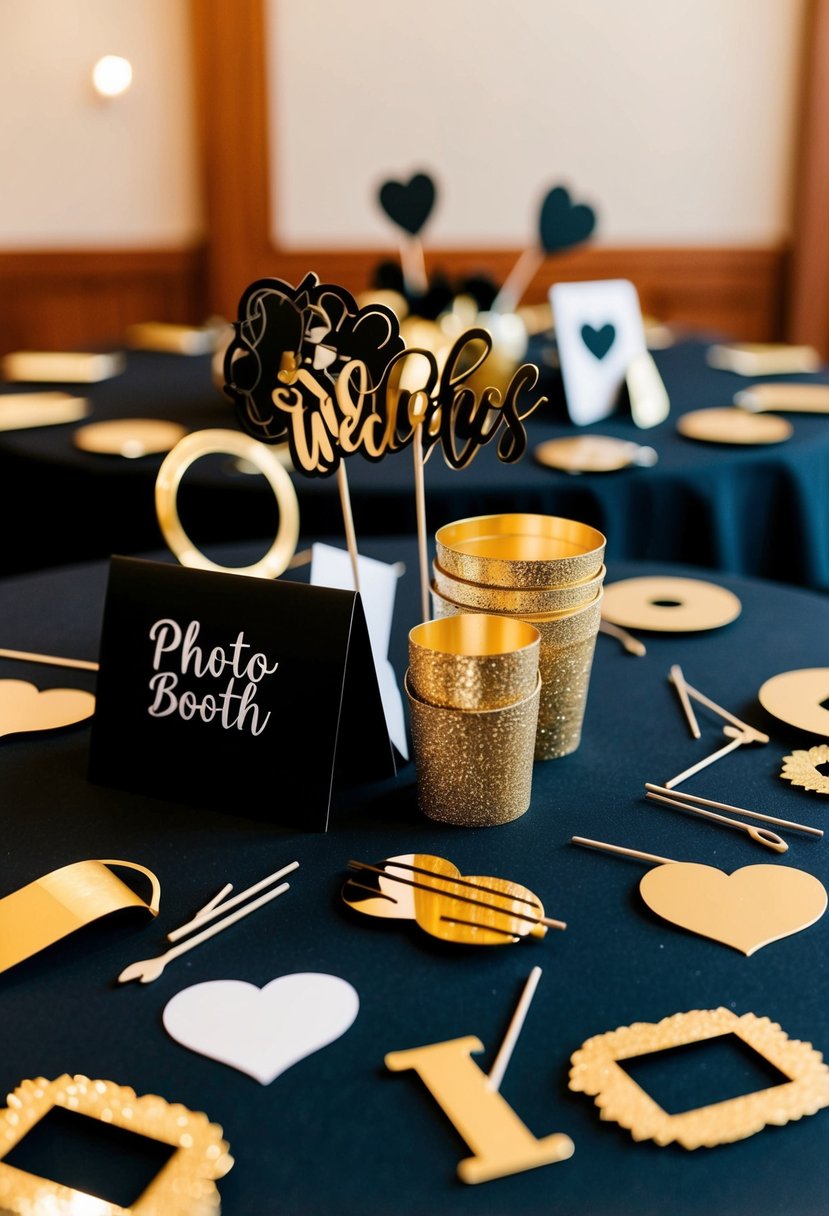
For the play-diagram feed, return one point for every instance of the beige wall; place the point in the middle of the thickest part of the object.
(675, 117)
(81, 172)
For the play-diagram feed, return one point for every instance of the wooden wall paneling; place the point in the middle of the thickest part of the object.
(808, 314)
(59, 299)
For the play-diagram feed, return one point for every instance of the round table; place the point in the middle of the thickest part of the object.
(758, 510)
(337, 1132)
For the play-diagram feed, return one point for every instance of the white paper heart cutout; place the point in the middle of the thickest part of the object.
(262, 1031)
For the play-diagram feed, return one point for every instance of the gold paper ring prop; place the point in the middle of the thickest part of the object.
(245, 447)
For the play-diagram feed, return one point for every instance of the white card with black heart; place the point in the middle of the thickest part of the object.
(599, 332)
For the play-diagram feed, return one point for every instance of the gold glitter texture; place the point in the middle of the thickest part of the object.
(473, 661)
(801, 768)
(183, 1187)
(596, 1071)
(568, 641)
(474, 767)
(520, 550)
(543, 600)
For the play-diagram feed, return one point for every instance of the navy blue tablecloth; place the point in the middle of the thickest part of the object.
(759, 510)
(338, 1132)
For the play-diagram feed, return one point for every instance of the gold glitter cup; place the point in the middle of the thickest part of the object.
(568, 640)
(473, 661)
(474, 767)
(520, 550)
(534, 601)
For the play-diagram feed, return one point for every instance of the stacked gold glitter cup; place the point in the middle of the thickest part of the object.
(542, 570)
(473, 686)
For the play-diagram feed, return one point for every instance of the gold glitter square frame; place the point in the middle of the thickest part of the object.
(184, 1186)
(596, 1071)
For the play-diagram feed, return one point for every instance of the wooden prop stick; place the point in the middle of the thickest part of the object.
(150, 969)
(218, 906)
(499, 1067)
(678, 681)
(518, 280)
(549, 921)
(631, 644)
(763, 836)
(50, 660)
(757, 736)
(738, 810)
(420, 508)
(623, 852)
(737, 739)
(413, 265)
(348, 522)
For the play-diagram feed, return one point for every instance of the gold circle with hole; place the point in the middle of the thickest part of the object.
(668, 604)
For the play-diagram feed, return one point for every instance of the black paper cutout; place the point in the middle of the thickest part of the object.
(598, 341)
(325, 727)
(313, 329)
(438, 297)
(562, 223)
(308, 365)
(408, 204)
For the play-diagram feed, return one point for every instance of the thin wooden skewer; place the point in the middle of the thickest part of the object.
(756, 735)
(211, 903)
(420, 509)
(466, 899)
(499, 1067)
(762, 836)
(631, 644)
(217, 908)
(153, 967)
(50, 660)
(739, 810)
(701, 764)
(518, 280)
(678, 681)
(460, 882)
(617, 848)
(348, 523)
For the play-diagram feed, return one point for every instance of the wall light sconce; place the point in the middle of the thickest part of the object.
(112, 76)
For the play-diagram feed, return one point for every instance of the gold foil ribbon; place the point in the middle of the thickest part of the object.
(52, 907)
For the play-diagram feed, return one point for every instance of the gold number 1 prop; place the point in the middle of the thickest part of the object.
(500, 1142)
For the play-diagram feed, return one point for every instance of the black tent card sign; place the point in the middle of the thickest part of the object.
(238, 694)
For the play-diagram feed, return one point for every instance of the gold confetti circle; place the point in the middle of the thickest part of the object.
(129, 437)
(729, 425)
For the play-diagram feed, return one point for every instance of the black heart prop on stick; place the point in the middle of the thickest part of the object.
(307, 364)
(598, 341)
(408, 204)
(563, 223)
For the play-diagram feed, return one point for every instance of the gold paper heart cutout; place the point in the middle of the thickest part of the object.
(747, 910)
(24, 707)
